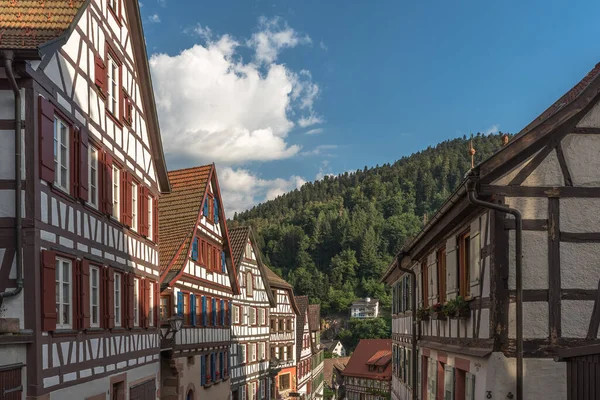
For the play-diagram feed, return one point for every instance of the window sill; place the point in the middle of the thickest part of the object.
(94, 330)
(59, 332)
(62, 193)
(118, 329)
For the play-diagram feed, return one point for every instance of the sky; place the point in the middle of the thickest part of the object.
(280, 92)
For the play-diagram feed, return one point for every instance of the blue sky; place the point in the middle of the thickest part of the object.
(383, 79)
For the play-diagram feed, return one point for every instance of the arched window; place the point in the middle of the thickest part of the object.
(249, 284)
(190, 395)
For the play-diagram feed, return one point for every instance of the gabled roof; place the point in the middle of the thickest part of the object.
(333, 363)
(179, 213)
(279, 283)
(29, 24)
(371, 351)
(330, 345)
(568, 108)
(238, 237)
(32, 27)
(314, 317)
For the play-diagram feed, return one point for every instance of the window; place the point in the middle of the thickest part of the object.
(211, 208)
(248, 253)
(252, 351)
(151, 304)
(424, 284)
(263, 385)
(94, 297)
(236, 314)
(186, 309)
(284, 382)
(274, 324)
(290, 351)
(134, 205)
(464, 257)
(252, 316)
(243, 353)
(116, 191)
(289, 325)
(150, 216)
(117, 297)
(64, 293)
(136, 302)
(249, 284)
(441, 274)
(113, 84)
(164, 308)
(281, 325)
(61, 154)
(93, 176)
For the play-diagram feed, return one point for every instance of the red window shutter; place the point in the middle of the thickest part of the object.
(100, 74)
(46, 139)
(110, 298)
(48, 290)
(129, 298)
(155, 226)
(156, 302)
(85, 294)
(141, 211)
(108, 188)
(83, 165)
(143, 303)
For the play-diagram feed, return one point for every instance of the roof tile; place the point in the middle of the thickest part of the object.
(374, 351)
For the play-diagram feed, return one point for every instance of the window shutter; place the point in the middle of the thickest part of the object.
(146, 303)
(204, 310)
(129, 298)
(142, 210)
(202, 370)
(83, 183)
(48, 290)
(100, 75)
(180, 303)
(193, 309)
(195, 249)
(216, 209)
(155, 226)
(85, 294)
(110, 297)
(213, 368)
(221, 364)
(448, 383)
(223, 263)
(46, 140)
(214, 311)
(74, 171)
(156, 302)
(126, 181)
(122, 102)
(223, 312)
(107, 187)
(204, 211)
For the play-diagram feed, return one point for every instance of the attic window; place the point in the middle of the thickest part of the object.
(211, 208)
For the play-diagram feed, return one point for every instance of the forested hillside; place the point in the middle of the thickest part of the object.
(333, 238)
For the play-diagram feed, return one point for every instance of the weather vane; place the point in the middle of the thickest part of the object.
(472, 151)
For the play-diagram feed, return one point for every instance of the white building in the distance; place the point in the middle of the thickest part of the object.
(365, 308)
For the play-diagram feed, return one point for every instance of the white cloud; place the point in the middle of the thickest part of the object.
(315, 131)
(322, 45)
(309, 120)
(154, 18)
(272, 37)
(492, 130)
(214, 107)
(162, 3)
(241, 189)
(324, 170)
(320, 149)
(141, 4)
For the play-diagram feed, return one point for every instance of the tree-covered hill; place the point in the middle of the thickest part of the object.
(333, 238)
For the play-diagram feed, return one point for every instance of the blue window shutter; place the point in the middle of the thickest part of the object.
(180, 303)
(214, 311)
(223, 263)
(216, 211)
(213, 369)
(202, 370)
(221, 364)
(195, 249)
(193, 309)
(205, 210)
(230, 312)
(223, 312)
(204, 310)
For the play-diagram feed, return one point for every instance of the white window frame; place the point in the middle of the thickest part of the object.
(61, 143)
(151, 304)
(61, 322)
(136, 302)
(93, 176)
(236, 314)
(150, 216)
(249, 284)
(118, 288)
(94, 271)
(116, 192)
(253, 353)
(248, 252)
(134, 205)
(243, 352)
(262, 388)
(113, 85)
(252, 316)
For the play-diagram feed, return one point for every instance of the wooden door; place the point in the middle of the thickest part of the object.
(583, 377)
(10, 384)
(143, 391)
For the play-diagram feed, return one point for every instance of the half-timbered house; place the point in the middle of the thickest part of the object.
(318, 354)
(198, 282)
(78, 228)
(368, 373)
(304, 349)
(250, 333)
(512, 255)
(282, 319)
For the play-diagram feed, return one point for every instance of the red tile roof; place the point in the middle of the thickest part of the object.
(375, 351)
(28, 24)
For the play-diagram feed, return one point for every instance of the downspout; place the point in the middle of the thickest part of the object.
(472, 192)
(414, 324)
(8, 57)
